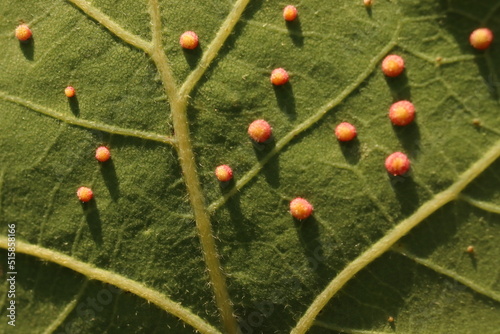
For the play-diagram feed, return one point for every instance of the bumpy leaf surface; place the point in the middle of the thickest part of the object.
(141, 233)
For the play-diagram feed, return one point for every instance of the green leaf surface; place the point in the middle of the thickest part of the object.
(166, 248)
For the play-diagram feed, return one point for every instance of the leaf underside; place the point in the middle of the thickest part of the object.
(141, 224)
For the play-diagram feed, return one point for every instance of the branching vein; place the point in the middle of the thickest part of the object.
(117, 280)
(67, 310)
(112, 26)
(283, 142)
(393, 236)
(214, 47)
(490, 207)
(451, 274)
(85, 123)
(178, 104)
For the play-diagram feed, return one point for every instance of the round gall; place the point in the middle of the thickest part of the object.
(102, 154)
(69, 91)
(290, 13)
(279, 77)
(300, 208)
(84, 194)
(481, 38)
(224, 173)
(259, 130)
(189, 40)
(397, 164)
(402, 113)
(23, 32)
(393, 65)
(345, 132)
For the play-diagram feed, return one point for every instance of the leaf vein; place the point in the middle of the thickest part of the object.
(115, 279)
(86, 123)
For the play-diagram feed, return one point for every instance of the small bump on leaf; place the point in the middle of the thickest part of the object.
(259, 130)
(393, 65)
(224, 173)
(402, 113)
(279, 77)
(84, 194)
(300, 208)
(189, 40)
(23, 32)
(481, 38)
(345, 131)
(102, 154)
(69, 91)
(290, 13)
(397, 163)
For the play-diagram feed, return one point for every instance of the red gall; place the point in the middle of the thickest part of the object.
(84, 194)
(290, 13)
(23, 32)
(397, 164)
(279, 77)
(259, 130)
(224, 173)
(102, 154)
(189, 40)
(402, 113)
(345, 131)
(393, 65)
(481, 38)
(300, 208)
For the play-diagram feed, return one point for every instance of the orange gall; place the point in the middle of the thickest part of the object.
(393, 65)
(290, 13)
(345, 131)
(69, 91)
(481, 38)
(402, 113)
(23, 32)
(102, 154)
(259, 130)
(279, 77)
(397, 164)
(224, 173)
(300, 208)
(189, 40)
(84, 194)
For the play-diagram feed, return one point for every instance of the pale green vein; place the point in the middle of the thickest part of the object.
(449, 273)
(306, 124)
(117, 280)
(488, 17)
(67, 310)
(394, 235)
(178, 105)
(159, 57)
(85, 123)
(344, 329)
(213, 49)
(490, 207)
(112, 26)
(436, 59)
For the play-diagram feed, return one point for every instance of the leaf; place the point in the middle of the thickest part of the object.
(164, 247)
